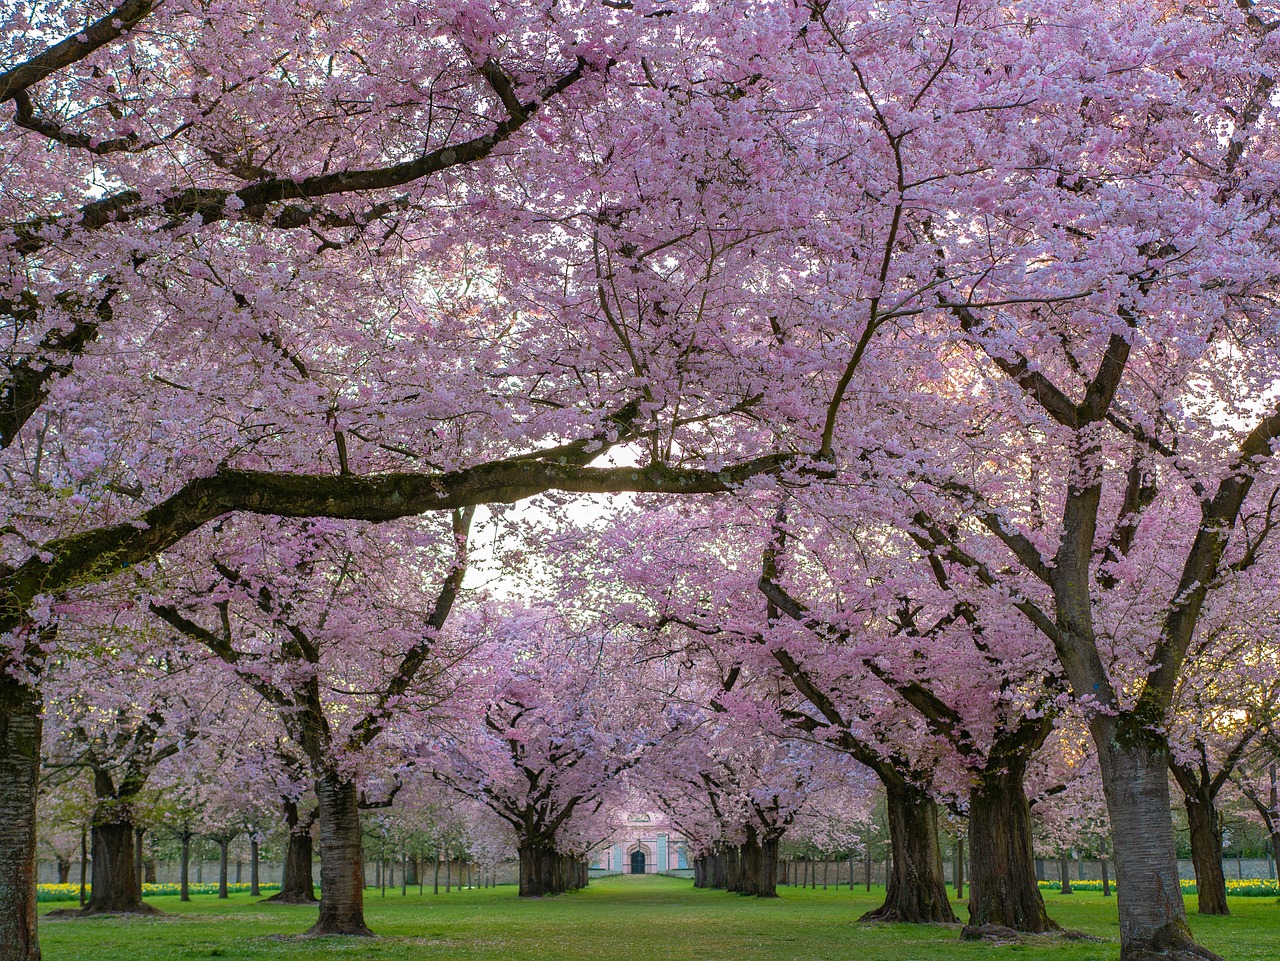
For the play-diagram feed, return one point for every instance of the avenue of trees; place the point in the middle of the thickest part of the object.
(504, 413)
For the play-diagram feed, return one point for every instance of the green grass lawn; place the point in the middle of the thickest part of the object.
(623, 918)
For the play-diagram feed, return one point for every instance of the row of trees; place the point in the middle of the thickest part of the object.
(950, 328)
(530, 751)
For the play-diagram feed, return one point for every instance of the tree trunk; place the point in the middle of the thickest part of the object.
(767, 872)
(222, 867)
(544, 870)
(733, 874)
(957, 867)
(755, 867)
(720, 869)
(149, 870)
(84, 863)
(64, 870)
(1064, 873)
(341, 869)
(115, 888)
(137, 856)
(411, 870)
(435, 884)
(917, 892)
(1135, 779)
(1206, 852)
(253, 868)
(296, 883)
(20, 732)
(1106, 881)
(1002, 866)
(1275, 851)
(184, 869)
(535, 868)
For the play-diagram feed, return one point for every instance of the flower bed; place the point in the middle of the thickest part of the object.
(1247, 888)
(71, 892)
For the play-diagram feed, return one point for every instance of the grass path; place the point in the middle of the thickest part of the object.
(615, 919)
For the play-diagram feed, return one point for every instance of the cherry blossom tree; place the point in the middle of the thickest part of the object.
(1226, 701)
(556, 715)
(987, 258)
(123, 710)
(687, 577)
(184, 191)
(293, 618)
(1121, 411)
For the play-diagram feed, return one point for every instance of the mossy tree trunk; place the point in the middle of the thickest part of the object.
(917, 890)
(1002, 867)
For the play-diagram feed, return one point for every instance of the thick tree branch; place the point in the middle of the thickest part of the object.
(82, 558)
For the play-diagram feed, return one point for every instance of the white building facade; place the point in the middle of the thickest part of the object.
(644, 845)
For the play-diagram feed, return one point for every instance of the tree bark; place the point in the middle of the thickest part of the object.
(84, 863)
(1205, 825)
(1064, 873)
(64, 870)
(544, 870)
(767, 883)
(341, 868)
(115, 888)
(1002, 866)
(1135, 779)
(917, 892)
(755, 867)
(534, 870)
(296, 883)
(20, 732)
(137, 856)
(731, 857)
(184, 869)
(253, 868)
(222, 867)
